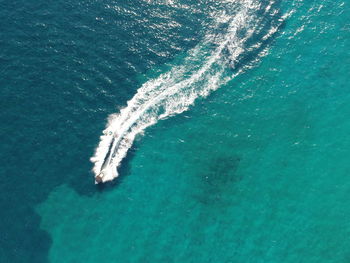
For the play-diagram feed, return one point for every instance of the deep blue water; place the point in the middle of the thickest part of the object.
(257, 171)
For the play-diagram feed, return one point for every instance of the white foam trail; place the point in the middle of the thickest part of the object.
(202, 71)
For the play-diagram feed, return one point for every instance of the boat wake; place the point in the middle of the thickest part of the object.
(237, 38)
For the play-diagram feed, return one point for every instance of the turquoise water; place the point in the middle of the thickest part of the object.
(255, 172)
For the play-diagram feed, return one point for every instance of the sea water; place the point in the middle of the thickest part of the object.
(247, 163)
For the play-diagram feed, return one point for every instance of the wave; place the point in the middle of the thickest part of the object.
(237, 38)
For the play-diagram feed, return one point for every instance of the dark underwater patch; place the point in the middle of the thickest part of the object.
(215, 178)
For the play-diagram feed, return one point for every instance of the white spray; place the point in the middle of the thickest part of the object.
(202, 71)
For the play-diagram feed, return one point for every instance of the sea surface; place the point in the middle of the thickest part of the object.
(235, 120)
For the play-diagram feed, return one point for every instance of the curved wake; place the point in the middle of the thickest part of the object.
(219, 58)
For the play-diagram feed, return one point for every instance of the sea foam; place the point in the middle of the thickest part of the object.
(209, 65)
